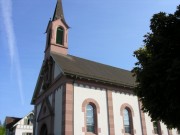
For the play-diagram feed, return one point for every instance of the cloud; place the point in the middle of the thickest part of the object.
(6, 8)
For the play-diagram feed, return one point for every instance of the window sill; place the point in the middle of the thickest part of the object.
(60, 45)
(90, 133)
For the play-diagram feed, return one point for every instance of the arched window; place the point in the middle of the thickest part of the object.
(90, 118)
(91, 109)
(59, 35)
(44, 130)
(127, 118)
(157, 127)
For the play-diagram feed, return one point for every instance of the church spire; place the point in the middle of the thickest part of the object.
(58, 13)
(57, 33)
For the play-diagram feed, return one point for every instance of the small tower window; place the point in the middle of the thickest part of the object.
(59, 35)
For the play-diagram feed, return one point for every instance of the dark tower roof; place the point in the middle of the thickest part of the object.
(58, 13)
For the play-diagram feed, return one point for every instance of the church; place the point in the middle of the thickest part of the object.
(76, 96)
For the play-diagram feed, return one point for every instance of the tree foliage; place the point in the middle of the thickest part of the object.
(158, 69)
(2, 130)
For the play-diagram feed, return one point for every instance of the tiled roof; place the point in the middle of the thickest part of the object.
(92, 70)
(10, 121)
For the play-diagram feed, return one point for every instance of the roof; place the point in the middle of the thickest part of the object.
(10, 121)
(71, 65)
(58, 13)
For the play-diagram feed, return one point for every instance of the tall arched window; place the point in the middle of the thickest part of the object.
(91, 109)
(59, 35)
(127, 121)
(90, 118)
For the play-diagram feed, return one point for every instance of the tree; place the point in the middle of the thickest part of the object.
(157, 71)
(2, 130)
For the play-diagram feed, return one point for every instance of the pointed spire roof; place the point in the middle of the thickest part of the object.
(58, 13)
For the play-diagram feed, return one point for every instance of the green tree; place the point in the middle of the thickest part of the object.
(2, 130)
(158, 69)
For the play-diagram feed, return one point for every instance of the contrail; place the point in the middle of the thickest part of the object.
(6, 7)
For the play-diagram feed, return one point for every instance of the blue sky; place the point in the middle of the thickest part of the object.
(106, 31)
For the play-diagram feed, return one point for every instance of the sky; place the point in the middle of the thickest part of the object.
(105, 31)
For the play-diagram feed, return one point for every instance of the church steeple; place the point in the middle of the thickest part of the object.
(57, 32)
(58, 13)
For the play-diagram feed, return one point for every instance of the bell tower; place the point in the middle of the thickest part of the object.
(57, 32)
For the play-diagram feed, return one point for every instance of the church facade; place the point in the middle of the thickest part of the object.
(75, 96)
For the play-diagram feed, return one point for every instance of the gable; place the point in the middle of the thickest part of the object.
(37, 87)
(48, 73)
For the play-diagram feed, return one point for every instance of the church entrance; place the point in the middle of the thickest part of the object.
(44, 130)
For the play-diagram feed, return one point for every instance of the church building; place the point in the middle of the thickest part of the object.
(76, 96)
